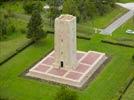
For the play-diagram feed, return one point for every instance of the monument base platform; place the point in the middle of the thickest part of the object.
(88, 63)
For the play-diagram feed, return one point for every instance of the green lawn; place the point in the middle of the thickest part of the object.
(105, 87)
(129, 95)
(10, 45)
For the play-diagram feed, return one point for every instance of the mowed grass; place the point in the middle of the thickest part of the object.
(129, 95)
(121, 31)
(9, 46)
(105, 87)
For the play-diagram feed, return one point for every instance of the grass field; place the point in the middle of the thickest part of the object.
(10, 45)
(104, 87)
(129, 95)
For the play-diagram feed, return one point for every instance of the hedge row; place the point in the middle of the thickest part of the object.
(126, 86)
(78, 36)
(18, 50)
(118, 43)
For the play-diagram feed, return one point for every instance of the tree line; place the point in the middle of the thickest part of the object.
(82, 9)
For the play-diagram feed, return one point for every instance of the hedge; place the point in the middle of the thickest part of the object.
(78, 36)
(114, 42)
(18, 50)
(126, 86)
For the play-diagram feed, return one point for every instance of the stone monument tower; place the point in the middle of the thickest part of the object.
(65, 42)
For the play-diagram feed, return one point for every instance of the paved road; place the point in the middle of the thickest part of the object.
(118, 23)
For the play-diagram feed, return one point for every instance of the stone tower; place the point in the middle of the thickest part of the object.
(65, 42)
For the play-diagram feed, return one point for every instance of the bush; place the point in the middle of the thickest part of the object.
(66, 94)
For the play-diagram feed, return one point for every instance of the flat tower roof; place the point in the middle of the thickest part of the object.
(66, 17)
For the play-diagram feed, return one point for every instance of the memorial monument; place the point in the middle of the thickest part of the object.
(65, 42)
(66, 65)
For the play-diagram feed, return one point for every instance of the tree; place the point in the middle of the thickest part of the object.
(54, 10)
(100, 7)
(66, 94)
(86, 9)
(111, 2)
(35, 31)
(70, 7)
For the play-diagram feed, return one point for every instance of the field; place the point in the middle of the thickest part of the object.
(115, 73)
(106, 86)
(9, 46)
(129, 95)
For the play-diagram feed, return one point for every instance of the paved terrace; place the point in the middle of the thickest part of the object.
(88, 63)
